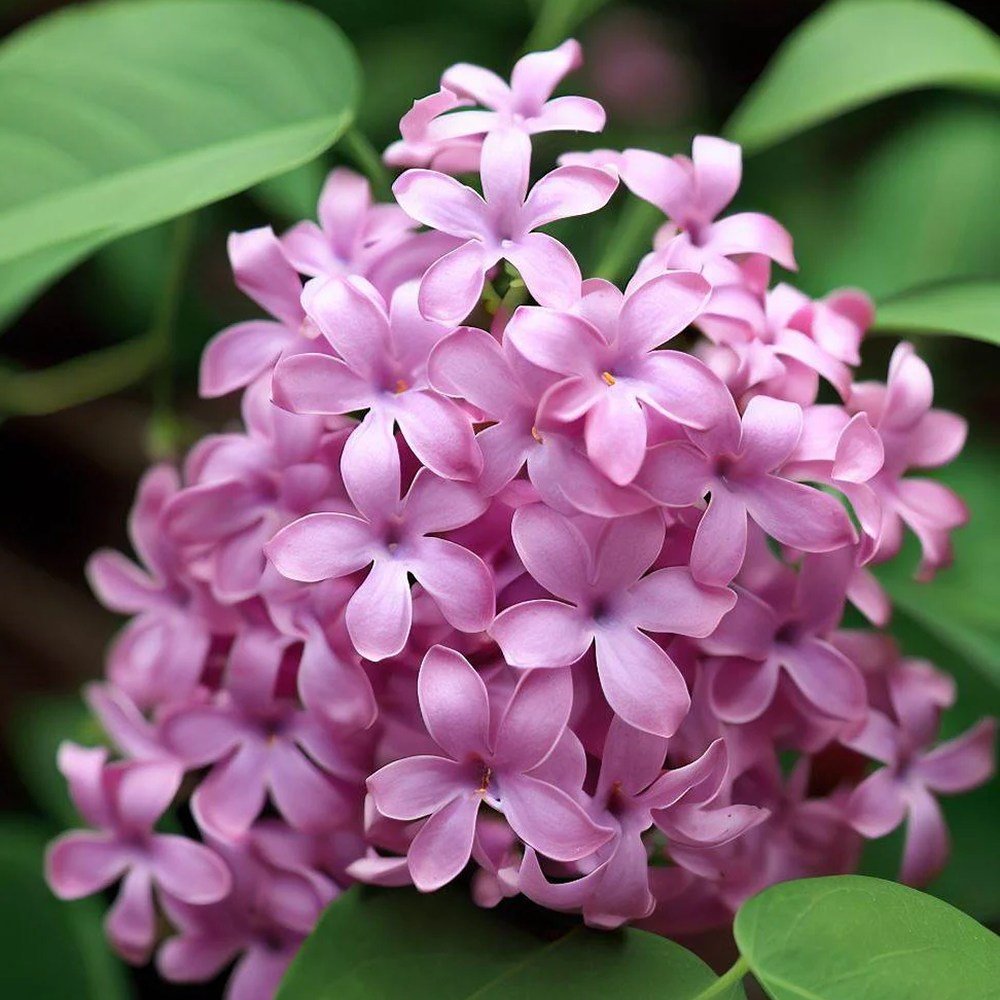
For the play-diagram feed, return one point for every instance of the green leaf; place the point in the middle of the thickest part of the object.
(37, 727)
(849, 937)
(116, 116)
(382, 945)
(49, 948)
(961, 308)
(854, 52)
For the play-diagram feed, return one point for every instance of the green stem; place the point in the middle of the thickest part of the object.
(725, 982)
(163, 431)
(367, 158)
(556, 19)
(632, 236)
(78, 380)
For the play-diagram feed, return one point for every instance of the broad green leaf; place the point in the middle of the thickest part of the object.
(961, 308)
(387, 944)
(48, 948)
(37, 727)
(117, 116)
(854, 52)
(849, 937)
(917, 208)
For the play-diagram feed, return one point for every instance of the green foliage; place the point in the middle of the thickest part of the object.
(849, 937)
(961, 308)
(49, 950)
(853, 52)
(382, 945)
(114, 117)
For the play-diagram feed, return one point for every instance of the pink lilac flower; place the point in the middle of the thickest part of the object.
(605, 600)
(395, 537)
(381, 368)
(418, 146)
(738, 462)
(242, 487)
(784, 629)
(487, 761)
(244, 351)
(261, 924)
(123, 802)
(526, 103)
(262, 747)
(607, 351)
(500, 224)
(692, 192)
(634, 792)
(914, 774)
(163, 649)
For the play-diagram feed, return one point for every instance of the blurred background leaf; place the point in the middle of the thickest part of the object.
(963, 308)
(854, 52)
(51, 950)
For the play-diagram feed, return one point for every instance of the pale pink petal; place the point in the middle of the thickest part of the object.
(669, 600)
(752, 232)
(720, 542)
(927, 842)
(860, 452)
(470, 364)
(504, 447)
(188, 870)
(702, 776)
(536, 75)
(569, 114)
(675, 473)
(504, 167)
(553, 551)
(827, 678)
(910, 389)
(616, 435)
(436, 504)
(302, 793)
(685, 389)
(548, 269)
(556, 340)
(718, 169)
(625, 548)
(451, 286)
(542, 634)
(380, 612)
(936, 440)
(631, 758)
(534, 719)
(318, 383)
(962, 763)
(741, 690)
(352, 317)
(566, 192)
(441, 202)
(458, 580)
(370, 467)
(657, 179)
(145, 791)
(81, 863)
(641, 683)
(232, 796)
(131, 922)
(798, 515)
(418, 786)
(548, 820)
(661, 309)
(321, 546)
(453, 702)
(263, 273)
(440, 434)
(234, 357)
(481, 85)
(771, 429)
(443, 845)
(343, 207)
(119, 584)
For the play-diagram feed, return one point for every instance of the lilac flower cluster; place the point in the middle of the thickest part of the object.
(492, 575)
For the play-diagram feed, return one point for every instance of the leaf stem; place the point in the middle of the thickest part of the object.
(726, 981)
(358, 147)
(79, 380)
(163, 424)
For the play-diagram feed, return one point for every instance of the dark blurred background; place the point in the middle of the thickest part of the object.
(885, 198)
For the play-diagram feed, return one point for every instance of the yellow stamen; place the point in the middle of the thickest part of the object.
(536, 435)
(608, 377)
(401, 386)
(487, 774)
